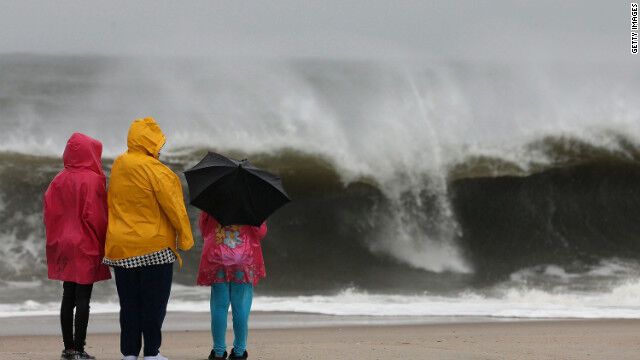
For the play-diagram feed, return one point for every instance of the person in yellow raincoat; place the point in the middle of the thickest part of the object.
(148, 224)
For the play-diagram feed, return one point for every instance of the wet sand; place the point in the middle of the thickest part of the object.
(553, 339)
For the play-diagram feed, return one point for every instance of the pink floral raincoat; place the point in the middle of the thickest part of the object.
(231, 253)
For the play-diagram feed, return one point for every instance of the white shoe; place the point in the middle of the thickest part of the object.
(130, 357)
(157, 357)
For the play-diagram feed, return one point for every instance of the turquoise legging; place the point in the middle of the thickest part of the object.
(240, 297)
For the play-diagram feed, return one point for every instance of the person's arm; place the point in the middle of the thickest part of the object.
(207, 224)
(49, 209)
(168, 190)
(94, 210)
(46, 214)
(259, 232)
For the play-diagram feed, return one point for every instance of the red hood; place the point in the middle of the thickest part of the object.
(83, 152)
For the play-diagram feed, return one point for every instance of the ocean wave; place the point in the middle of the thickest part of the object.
(478, 227)
(620, 302)
(546, 153)
(535, 156)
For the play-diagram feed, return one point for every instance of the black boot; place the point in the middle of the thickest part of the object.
(82, 355)
(213, 356)
(67, 354)
(238, 357)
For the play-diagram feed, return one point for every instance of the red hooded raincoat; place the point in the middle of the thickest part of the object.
(75, 214)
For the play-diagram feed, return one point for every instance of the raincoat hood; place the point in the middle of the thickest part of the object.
(145, 136)
(83, 152)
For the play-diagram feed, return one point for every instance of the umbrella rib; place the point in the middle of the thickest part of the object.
(210, 185)
(205, 189)
(269, 182)
(248, 194)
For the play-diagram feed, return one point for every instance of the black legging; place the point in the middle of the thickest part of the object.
(75, 296)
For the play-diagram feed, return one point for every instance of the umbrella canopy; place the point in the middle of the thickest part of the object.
(234, 192)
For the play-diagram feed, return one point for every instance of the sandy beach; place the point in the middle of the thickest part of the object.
(548, 339)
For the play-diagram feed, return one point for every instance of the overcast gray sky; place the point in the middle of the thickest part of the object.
(468, 30)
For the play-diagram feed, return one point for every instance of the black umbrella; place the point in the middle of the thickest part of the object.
(234, 192)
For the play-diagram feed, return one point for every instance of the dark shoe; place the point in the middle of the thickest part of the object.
(67, 354)
(83, 356)
(234, 356)
(213, 356)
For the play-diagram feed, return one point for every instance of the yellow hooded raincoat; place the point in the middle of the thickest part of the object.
(146, 204)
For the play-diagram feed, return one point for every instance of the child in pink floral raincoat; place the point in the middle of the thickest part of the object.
(231, 264)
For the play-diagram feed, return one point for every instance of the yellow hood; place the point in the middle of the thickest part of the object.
(145, 136)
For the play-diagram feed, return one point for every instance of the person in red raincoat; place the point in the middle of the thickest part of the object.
(75, 218)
